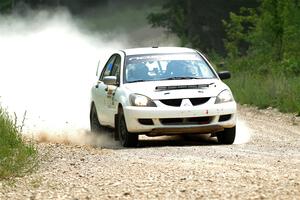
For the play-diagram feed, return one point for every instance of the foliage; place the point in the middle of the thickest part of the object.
(237, 30)
(5, 5)
(75, 6)
(16, 157)
(273, 36)
(268, 90)
(198, 23)
(173, 18)
(266, 73)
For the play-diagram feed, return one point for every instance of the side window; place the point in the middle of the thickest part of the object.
(116, 68)
(108, 67)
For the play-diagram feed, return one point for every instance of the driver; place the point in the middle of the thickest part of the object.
(139, 72)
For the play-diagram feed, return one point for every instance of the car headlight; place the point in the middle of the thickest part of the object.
(141, 100)
(224, 96)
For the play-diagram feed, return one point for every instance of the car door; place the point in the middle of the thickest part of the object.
(100, 92)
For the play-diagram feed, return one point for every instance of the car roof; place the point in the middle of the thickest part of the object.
(157, 50)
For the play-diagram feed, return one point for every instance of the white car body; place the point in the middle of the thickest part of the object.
(196, 110)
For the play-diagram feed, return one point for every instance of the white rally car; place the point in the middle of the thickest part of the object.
(162, 91)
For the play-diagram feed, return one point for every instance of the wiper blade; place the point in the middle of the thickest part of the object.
(182, 78)
(135, 81)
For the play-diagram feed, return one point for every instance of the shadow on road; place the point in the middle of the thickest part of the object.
(188, 140)
(161, 141)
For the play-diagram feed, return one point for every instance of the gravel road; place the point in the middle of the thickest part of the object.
(266, 167)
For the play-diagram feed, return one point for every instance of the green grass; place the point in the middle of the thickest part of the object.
(269, 90)
(16, 156)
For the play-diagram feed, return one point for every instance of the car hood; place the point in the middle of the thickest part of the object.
(175, 89)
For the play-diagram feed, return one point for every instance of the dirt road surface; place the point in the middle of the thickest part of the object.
(266, 167)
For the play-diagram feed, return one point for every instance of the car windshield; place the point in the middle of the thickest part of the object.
(158, 67)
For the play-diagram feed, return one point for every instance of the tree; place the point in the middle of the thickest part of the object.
(173, 18)
(6, 5)
(273, 36)
(238, 29)
(76, 6)
(198, 23)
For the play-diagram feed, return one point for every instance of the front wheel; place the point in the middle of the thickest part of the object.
(227, 136)
(127, 139)
(94, 122)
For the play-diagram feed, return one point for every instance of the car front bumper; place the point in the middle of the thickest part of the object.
(206, 118)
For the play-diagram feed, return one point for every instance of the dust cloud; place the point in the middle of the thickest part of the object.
(79, 137)
(243, 132)
(47, 67)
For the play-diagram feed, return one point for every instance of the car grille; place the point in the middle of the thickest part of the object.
(199, 101)
(177, 102)
(172, 102)
(185, 121)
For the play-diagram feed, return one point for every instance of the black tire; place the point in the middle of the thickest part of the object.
(126, 138)
(227, 136)
(94, 121)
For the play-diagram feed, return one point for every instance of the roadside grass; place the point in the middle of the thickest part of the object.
(17, 157)
(268, 90)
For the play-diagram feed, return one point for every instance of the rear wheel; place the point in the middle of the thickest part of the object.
(127, 139)
(227, 136)
(94, 121)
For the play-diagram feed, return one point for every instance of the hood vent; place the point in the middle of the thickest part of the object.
(180, 87)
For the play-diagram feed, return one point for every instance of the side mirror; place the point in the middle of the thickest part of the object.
(110, 80)
(224, 75)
